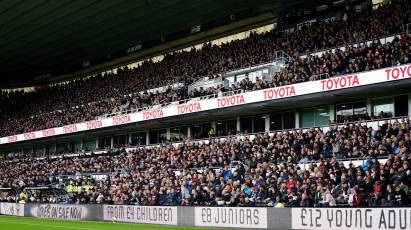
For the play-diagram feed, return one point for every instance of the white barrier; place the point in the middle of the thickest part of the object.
(237, 217)
(59, 211)
(12, 209)
(351, 218)
(141, 214)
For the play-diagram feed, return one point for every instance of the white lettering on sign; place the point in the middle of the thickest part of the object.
(236, 217)
(141, 214)
(351, 218)
(230, 101)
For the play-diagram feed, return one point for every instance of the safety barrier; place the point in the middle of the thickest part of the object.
(224, 217)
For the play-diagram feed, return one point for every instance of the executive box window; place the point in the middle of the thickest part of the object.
(119, 141)
(90, 145)
(200, 130)
(158, 136)
(139, 138)
(279, 121)
(401, 105)
(104, 142)
(178, 133)
(319, 116)
(253, 124)
(383, 107)
(224, 128)
(351, 112)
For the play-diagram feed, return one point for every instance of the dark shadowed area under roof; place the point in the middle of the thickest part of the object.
(38, 37)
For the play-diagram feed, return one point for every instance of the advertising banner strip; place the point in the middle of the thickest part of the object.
(351, 218)
(141, 214)
(305, 88)
(59, 211)
(237, 217)
(12, 209)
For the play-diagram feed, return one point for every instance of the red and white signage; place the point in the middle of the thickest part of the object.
(336, 83)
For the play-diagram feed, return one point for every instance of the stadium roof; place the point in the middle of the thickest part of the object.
(39, 37)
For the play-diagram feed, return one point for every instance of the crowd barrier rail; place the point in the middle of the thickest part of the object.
(223, 217)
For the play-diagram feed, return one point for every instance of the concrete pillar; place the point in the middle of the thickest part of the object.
(168, 134)
(332, 112)
(147, 137)
(189, 132)
(130, 139)
(97, 144)
(267, 123)
(409, 105)
(213, 125)
(297, 119)
(111, 142)
(238, 126)
(369, 106)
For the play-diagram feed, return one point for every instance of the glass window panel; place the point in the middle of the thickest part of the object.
(307, 118)
(276, 121)
(178, 133)
(231, 127)
(322, 116)
(259, 124)
(383, 107)
(247, 125)
(138, 138)
(289, 120)
(360, 107)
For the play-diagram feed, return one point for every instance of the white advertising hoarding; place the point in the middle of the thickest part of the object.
(12, 209)
(351, 218)
(235, 217)
(59, 211)
(141, 214)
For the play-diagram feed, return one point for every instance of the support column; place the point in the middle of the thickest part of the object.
(147, 137)
(332, 113)
(168, 134)
(267, 123)
(409, 105)
(297, 119)
(97, 147)
(111, 142)
(130, 139)
(188, 131)
(369, 106)
(213, 125)
(238, 125)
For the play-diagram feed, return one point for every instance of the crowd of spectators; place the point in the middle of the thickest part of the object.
(267, 170)
(96, 96)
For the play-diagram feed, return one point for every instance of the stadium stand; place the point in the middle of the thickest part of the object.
(355, 159)
(271, 169)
